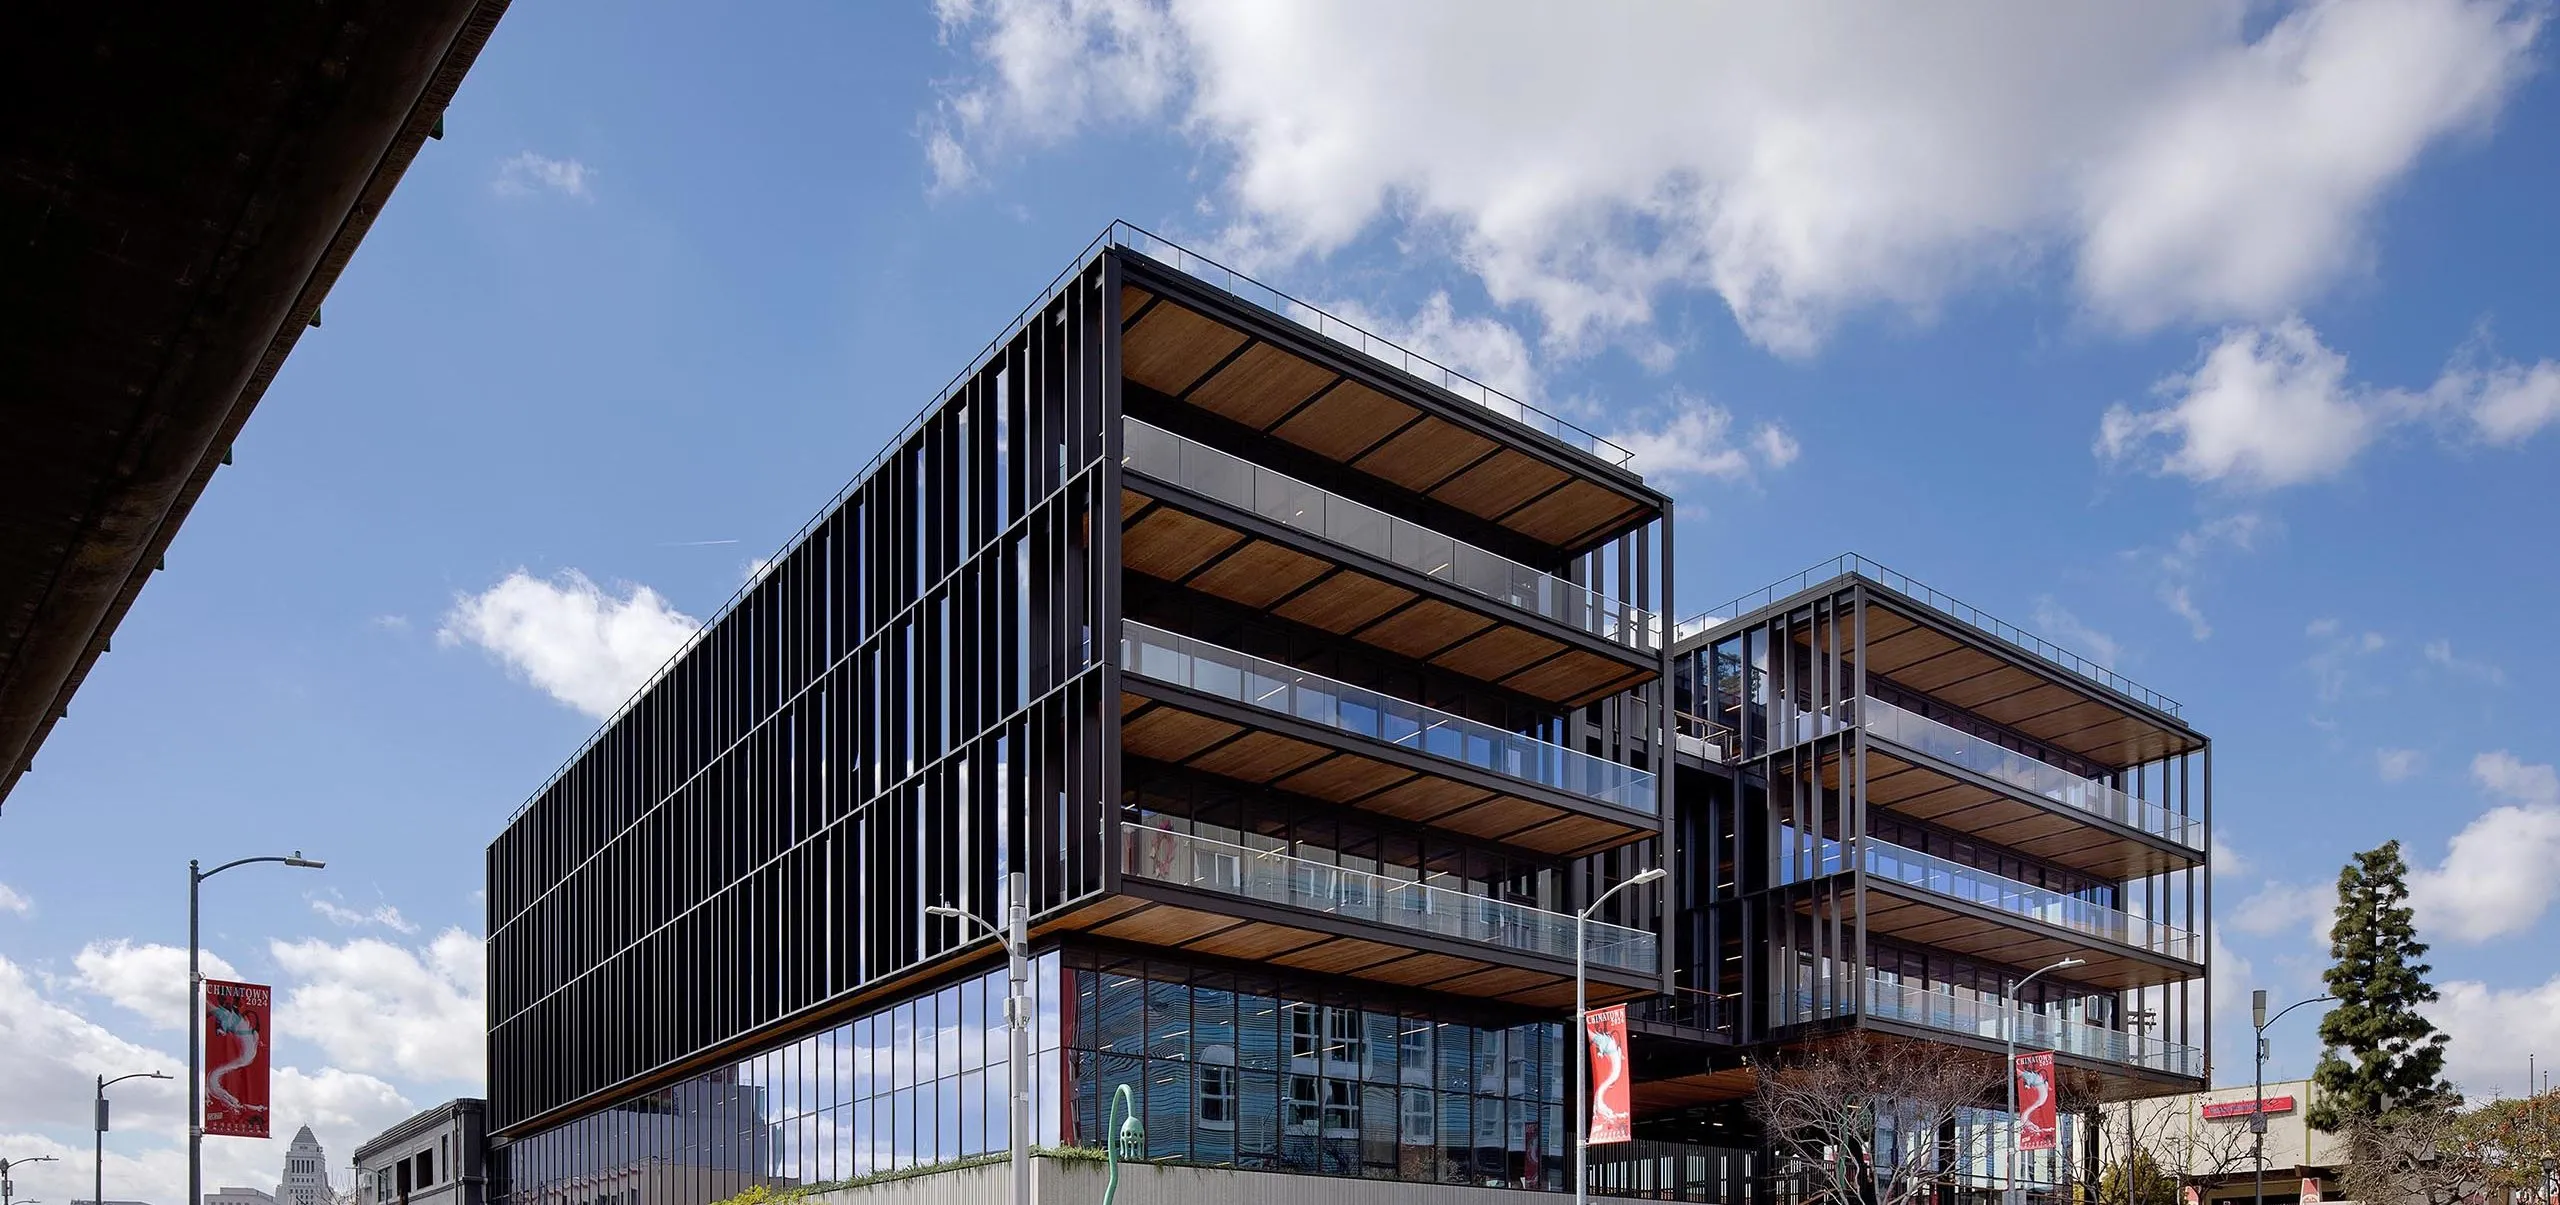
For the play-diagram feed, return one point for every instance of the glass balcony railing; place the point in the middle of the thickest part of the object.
(1966, 1013)
(1224, 673)
(1273, 877)
(1972, 885)
(1956, 747)
(1283, 499)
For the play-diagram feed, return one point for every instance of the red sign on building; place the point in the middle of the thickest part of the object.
(2037, 1128)
(1612, 1098)
(2243, 1108)
(235, 1058)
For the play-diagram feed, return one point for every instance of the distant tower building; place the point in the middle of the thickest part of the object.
(306, 1172)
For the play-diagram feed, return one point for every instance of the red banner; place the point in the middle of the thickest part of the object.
(2037, 1128)
(235, 1058)
(1612, 1102)
(2243, 1108)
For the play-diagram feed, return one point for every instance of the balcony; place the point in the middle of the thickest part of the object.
(1272, 877)
(1973, 1016)
(1313, 699)
(1249, 487)
(1197, 337)
(1253, 292)
(2011, 768)
(1942, 904)
(1984, 889)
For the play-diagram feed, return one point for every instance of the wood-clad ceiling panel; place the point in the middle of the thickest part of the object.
(1261, 386)
(1172, 346)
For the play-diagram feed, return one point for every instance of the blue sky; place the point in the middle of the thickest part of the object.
(2218, 348)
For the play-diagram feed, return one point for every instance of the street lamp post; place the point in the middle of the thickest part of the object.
(2009, 1071)
(1582, 1039)
(1017, 1020)
(98, 1141)
(8, 1183)
(195, 1013)
(2258, 1095)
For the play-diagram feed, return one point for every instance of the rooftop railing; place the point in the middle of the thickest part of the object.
(1275, 877)
(1966, 1013)
(1236, 284)
(1283, 499)
(1954, 746)
(2027, 642)
(1224, 673)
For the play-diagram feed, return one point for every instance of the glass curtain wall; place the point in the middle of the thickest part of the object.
(1233, 1070)
(917, 1083)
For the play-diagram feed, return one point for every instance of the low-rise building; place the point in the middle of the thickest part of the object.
(2205, 1139)
(236, 1195)
(433, 1158)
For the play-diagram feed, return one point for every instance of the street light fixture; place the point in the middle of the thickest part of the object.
(2259, 1019)
(1582, 1041)
(1017, 1019)
(8, 1184)
(98, 1140)
(195, 1012)
(2009, 1070)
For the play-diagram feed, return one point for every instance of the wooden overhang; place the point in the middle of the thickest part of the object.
(1909, 913)
(1166, 916)
(1969, 668)
(1170, 724)
(1205, 349)
(1695, 1088)
(1923, 788)
(1179, 538)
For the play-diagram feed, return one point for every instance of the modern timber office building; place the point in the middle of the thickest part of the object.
(1314, 689)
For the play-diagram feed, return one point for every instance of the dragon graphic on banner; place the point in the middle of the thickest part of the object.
(235, 1058)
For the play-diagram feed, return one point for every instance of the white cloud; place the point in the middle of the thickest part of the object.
(2489, 1026)
(2397, 765)
(149, 981)
(1694, 441)
(2496, 878)
(56, 1050)
(12, 901)
(373, 1006)
(2272, 406)
(2179, 568)
(1777, 448)
(2278, 907)
(2333, 663)
(570, 637)
(1800, 165)
(1486, 349)
(334, 909)
(2508, 402)
(2064, 627)
(2440, 653)
(530, 173)
(2249, 185)
(2268, 407)
(2322, 627)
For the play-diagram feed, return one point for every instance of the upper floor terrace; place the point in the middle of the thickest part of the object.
(1210, 352)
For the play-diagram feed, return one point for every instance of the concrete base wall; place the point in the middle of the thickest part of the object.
(1058, 1182)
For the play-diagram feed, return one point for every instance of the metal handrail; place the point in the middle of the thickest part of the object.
(1153, 652)
(1274, 876)
(1466, 388)
(1274, 495)
(1851, 563)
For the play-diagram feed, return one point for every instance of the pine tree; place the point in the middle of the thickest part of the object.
(2393, 1057)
